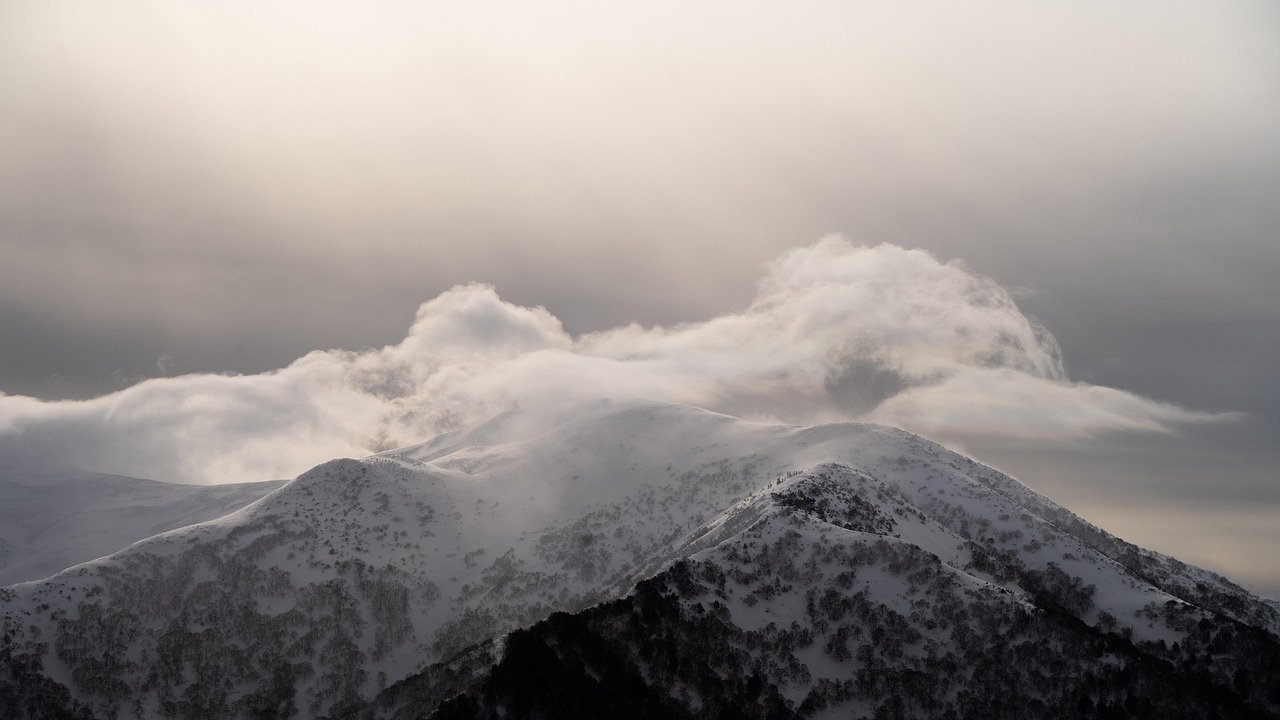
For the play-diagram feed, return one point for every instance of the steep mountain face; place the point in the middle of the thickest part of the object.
(819, 609)
(51, 519)
(838, 567)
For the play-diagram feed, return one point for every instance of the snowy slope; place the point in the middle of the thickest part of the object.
(53, 519)
(359, 573)
(813, 611)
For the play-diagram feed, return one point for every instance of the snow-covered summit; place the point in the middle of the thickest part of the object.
(360, 572)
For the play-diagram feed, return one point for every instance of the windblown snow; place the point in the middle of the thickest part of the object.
(360, 573)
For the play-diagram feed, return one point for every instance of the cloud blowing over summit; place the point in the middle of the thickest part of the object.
(199, 201)
(836, 332)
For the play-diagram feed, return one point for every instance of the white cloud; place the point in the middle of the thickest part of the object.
(836, 331)
(1010, 404)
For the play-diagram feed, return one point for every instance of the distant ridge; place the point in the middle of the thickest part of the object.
(53, 518)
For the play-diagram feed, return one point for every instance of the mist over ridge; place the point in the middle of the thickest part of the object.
(836, 331)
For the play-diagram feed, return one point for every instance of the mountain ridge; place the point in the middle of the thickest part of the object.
(53, 518)
(360, 573)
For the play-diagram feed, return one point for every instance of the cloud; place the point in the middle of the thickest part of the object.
(165, 364)
(1014, 405)
(836, 331)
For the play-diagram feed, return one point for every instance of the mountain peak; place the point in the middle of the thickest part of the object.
(362, 572)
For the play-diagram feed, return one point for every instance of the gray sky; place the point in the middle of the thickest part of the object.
(188, 188)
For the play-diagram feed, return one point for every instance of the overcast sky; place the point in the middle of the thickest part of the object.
(223, 188)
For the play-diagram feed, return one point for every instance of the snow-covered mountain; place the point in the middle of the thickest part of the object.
(816, 560)
(51, 519)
